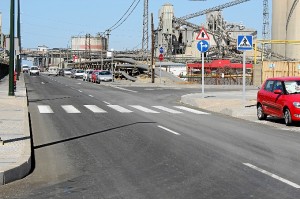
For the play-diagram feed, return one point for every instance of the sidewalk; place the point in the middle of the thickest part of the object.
(15, 152)
(230, 103)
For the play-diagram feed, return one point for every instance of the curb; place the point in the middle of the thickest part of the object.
(23, 166)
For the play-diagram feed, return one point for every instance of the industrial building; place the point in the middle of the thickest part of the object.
(285, 26)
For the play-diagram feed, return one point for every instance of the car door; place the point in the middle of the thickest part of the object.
(276, 99)
(267, 98)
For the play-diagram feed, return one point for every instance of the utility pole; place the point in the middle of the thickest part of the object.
(152, 50)
(145, 40)
(11, 91)
(19, 39)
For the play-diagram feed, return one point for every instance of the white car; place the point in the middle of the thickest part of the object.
(34, 70)
(104, 76)
(25, 68)
(78, 73)
(68, 71)
(53, 70)
(86, 74)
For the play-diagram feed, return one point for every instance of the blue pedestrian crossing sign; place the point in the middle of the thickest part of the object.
(244, 42)
(203, 46)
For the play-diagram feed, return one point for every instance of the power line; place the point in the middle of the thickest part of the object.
(122, 15)
(126, 17)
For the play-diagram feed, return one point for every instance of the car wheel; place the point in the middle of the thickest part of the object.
(287, 117)
(260, 113)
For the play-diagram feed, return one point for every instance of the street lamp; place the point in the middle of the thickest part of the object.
(12, 49)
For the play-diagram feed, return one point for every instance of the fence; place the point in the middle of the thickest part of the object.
(280, 69)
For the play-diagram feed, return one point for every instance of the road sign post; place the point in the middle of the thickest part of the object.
(244, 43)
(202, 46)
(161, 58)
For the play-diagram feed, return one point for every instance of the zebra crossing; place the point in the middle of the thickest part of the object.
(71, 109)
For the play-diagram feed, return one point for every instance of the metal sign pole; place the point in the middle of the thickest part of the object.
(160, 72)
(244, 76)
(202, 76)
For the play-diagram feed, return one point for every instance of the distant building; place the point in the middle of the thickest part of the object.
(42, 48)
(88, 43)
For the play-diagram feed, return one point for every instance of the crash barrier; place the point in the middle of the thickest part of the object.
(4, 69)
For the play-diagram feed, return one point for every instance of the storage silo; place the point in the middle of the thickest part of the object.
(167, 14)
(279, 16)
(293, 29)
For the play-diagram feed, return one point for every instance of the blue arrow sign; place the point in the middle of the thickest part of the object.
(244, 42)
(161, 50)
(203, 46)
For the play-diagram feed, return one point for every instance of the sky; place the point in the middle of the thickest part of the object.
(53, 23)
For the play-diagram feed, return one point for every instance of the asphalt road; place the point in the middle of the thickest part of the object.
(101, 141)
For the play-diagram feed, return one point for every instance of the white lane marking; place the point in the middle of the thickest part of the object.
(91, 96)
(191, 110)
(78, 83)
(167, 109)
(45, 109)
(119, 108)
(106, 102)
(42, 82)
(120, 88)
(144, 109)
(273, 175)
(80, 91)
(66, 85)
(169, 130)
(95, 109)
(70, 109)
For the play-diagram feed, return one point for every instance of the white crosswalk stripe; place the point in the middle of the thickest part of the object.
(95, 109)
(144, 109)
(191, 110)
(45, 109)
(167, 109)
(120, 108)
(70, 109)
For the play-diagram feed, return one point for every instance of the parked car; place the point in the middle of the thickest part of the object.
(53, 70)
(280, 97)
(78, 73)
(34, 70)
(94, 75)
(25, 69)
(104, 76)
(67, 71)
(86, 74)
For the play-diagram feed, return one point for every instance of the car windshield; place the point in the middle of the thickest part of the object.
(34, 68)
(292, 86)
(80, 71)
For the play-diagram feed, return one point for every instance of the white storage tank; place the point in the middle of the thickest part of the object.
(279, 16)
(86, 42)
(293, 29)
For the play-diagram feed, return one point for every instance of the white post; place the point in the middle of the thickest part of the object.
(160, 72)
(202, 55)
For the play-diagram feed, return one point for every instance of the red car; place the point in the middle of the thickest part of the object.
(280, 97)
(94, 75)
